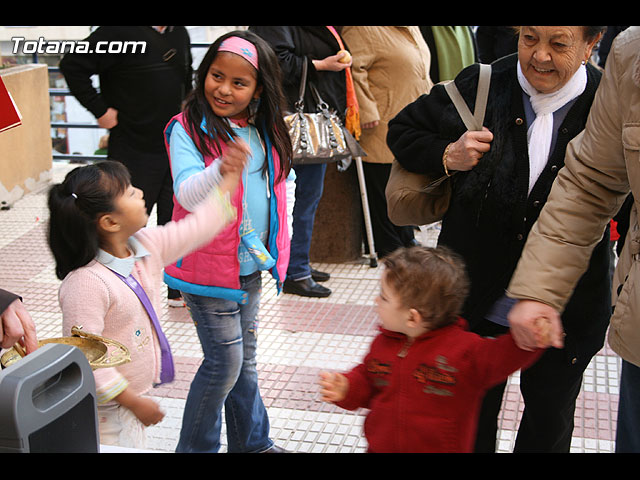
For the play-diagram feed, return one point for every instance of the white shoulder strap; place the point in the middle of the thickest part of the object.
(472, 121)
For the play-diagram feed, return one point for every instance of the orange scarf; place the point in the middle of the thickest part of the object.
(352, 119)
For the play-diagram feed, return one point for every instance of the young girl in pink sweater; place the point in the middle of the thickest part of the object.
(111, 269)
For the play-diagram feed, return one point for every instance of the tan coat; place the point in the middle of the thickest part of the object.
(390, 70)
(601, 167)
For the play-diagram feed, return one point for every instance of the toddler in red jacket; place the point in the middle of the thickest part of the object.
(425, 375)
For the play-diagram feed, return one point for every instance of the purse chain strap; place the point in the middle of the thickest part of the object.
(299, 105)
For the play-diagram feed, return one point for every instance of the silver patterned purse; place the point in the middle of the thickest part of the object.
(318, 137)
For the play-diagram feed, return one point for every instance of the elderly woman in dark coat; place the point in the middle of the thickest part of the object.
(539, 100)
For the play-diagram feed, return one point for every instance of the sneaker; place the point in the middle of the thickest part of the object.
(176, 302)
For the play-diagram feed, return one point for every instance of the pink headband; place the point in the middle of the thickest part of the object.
(242, 47)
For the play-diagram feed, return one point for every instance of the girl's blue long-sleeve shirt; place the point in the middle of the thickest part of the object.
(192, 182)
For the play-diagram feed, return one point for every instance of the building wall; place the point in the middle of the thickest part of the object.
(25, 150)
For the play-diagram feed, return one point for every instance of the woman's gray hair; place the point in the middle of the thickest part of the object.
(590, 31)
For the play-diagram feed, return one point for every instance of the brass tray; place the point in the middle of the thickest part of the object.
(94, 347)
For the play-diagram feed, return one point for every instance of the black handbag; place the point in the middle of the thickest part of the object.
(319, 137)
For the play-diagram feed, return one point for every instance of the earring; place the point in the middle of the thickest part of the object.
(253, 107)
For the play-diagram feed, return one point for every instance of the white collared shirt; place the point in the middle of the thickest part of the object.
(123, 266)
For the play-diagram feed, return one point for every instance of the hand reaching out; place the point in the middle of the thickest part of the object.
(333, 386)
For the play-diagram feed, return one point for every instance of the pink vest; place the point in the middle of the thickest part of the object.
(214, 269)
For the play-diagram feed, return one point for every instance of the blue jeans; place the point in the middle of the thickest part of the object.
(309, 188)
(227, 376)
(628, 429)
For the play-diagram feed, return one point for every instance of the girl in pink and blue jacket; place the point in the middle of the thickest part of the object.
(237, 99)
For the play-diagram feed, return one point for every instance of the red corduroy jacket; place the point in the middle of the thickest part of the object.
(425, 395)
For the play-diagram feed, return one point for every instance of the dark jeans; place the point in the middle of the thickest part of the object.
(309, 188)
(628, 430)
(549, 388)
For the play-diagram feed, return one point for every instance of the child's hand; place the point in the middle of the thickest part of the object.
(147, 411)
(543, 330)
(523, 320)
(333, 387)
(234, 160)
(235, 157)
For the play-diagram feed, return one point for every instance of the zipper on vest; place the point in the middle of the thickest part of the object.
(405, 348)
(268, 189)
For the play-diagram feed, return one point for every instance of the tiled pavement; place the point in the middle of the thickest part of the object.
(297, 338)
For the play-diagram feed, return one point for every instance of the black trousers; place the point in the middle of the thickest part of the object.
(549, 389)
(387, 237)
(151, 173)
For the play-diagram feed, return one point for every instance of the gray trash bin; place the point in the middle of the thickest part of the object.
(48, 403)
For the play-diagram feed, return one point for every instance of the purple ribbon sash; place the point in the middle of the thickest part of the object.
(166, 368)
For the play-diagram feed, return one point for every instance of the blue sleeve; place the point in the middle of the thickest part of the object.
(186, 159)
(192, 182)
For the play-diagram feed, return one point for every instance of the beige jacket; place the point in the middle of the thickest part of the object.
(390, 70)
(601, 167)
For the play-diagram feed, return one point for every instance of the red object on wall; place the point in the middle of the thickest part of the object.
(9, 114)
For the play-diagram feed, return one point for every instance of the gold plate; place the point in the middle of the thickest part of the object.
(94, 347)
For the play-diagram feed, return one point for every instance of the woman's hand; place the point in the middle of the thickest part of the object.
(466, 152)
(332, 63)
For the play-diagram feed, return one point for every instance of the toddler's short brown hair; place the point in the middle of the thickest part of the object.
(431, 280)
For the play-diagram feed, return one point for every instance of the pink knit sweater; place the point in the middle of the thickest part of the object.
(94, 298)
